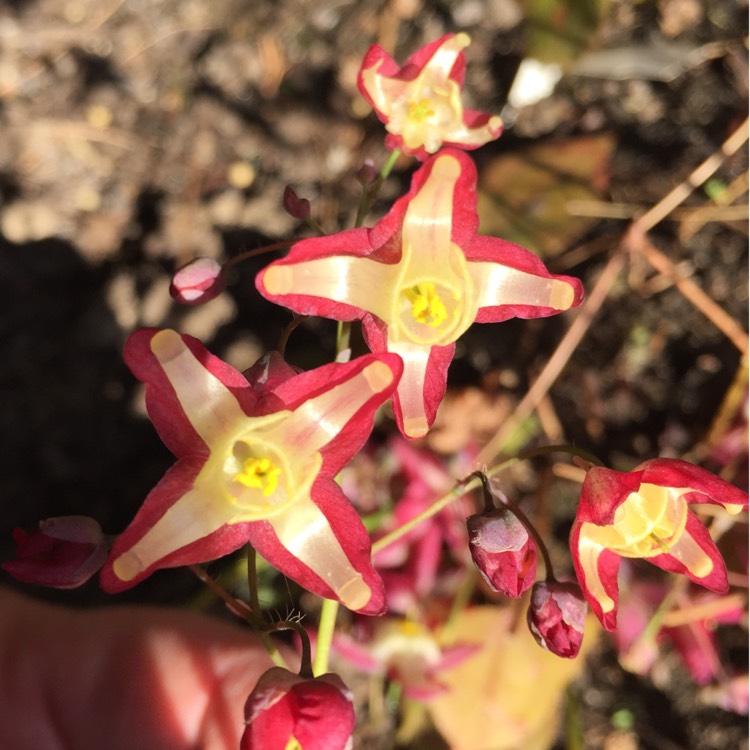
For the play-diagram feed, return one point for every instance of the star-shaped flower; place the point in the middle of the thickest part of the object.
(418, 279)
(420, 103)
(257, 457)
(644, 514)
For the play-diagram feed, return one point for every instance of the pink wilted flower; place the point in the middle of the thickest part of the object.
(414, 566)
(62, 554)
(420, 103)
(286, 711)
(417, 280)
(644, 514)
(503, 551)
(689, 627)
(556, 617)
(197, 282)
(405, 651)
(257, 457)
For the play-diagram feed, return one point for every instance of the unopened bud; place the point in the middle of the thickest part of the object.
(197, 282)
(366, 174)
(503, 551)
(556, 617)
(287, 711)
(297, 207)
(62, 554)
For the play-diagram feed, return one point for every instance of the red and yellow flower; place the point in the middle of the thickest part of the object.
(289, 712)
(644, 514)
(417, 280)
(420, 102)
(257, 456)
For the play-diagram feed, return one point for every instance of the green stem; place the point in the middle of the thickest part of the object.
(305, 667)
(326, 627)
(469, 483)
(343, 334)
(239, 608)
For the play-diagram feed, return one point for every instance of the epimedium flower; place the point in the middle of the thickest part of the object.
(418, 279)
(420, 102)
(644, 514)
(289, 712)
(257, 456)
(405, 651)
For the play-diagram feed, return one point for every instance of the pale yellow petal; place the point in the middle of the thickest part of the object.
(497, 284)
(210, 406)
(411, 387)
(355, 281)
(687, 551)
(306, 533)
(319, 420)
(194, 516)
(588, 556)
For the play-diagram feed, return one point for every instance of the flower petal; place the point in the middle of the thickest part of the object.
(596, 569)
(164, 527)
(322, 544)
(702, 486)
(696, 556)
(317, 421)
(350, 281)
(190, 394)
(512, 282)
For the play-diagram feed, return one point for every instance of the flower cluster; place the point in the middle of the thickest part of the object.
(258, 453)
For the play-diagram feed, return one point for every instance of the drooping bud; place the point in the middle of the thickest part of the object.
(556, 617)
(286, 711)
(297, 207)
(63, 554)
(503, 551)
(366, 173)
(197, 282)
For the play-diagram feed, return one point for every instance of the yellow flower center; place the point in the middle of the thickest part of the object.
(293, 744)
(257, 478)
(259, 472)
(420, 110)
(648, 523)
(426, 306)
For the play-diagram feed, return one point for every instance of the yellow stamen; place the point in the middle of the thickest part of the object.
(260, 473)
(420, 110)
(293, 744)
(427, 307)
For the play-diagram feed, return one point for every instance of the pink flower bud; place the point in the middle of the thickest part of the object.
(286, 710)
(366, 173)
(502, 551)
(63, 554)
(556, 617)
(197, 282)
(295, 206)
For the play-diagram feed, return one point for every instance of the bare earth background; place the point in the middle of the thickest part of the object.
(137, 135)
